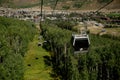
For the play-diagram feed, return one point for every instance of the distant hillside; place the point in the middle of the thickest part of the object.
(25, 3)
(62, 4)
(114, 5)
(19, 3)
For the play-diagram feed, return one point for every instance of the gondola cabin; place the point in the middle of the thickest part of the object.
(80, 43)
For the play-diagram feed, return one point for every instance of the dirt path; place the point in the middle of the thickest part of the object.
(38, 26)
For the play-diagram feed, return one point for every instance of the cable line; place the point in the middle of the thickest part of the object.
(55, 6)
(41, 12)
(105, 5)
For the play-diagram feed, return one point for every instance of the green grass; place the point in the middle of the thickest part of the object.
(113, 15)
(38, 69)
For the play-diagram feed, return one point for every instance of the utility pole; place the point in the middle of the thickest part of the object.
(41, 13)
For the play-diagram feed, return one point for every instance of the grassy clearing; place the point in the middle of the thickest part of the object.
(114, 31)
(35, 67)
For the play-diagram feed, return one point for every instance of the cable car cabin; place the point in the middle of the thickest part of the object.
(80, 43)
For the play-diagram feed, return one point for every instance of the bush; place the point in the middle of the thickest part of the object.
(78, 5)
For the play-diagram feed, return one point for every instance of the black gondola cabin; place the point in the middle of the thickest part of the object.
(80, 43)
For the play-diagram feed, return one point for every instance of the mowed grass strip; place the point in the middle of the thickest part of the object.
(35, 67)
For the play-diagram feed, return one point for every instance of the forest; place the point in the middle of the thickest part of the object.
(100, 63)
(15, 36)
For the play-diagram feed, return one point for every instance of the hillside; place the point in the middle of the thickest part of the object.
(18, 3)
(62, 4)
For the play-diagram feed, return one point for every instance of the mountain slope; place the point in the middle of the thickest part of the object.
(63, 4)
